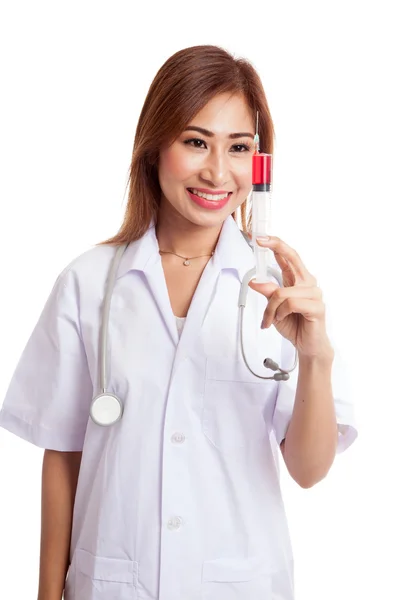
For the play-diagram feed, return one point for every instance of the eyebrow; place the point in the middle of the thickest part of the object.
(232, 136)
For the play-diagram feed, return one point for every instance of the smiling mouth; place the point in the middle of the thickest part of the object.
(210, 197)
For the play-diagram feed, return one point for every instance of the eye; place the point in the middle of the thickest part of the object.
(241, 148)
(195, 142)
(200, 144)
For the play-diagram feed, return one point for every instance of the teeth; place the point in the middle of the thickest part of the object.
(210, 196)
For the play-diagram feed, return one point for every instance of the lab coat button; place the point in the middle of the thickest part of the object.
(178, 438)
(174, 523)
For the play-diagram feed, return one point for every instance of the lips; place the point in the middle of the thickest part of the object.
(205, 202)
(212, 192)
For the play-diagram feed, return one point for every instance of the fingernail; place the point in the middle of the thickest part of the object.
(264, 240)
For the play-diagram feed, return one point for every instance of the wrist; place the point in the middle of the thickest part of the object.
(322, 360)
(49, 594)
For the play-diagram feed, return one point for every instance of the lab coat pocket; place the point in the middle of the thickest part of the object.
(236, 405)
(101, 578)
(236, 579)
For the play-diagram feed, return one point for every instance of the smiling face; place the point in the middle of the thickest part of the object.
(206, 173)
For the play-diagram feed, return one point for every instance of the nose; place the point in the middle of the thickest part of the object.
(215, 170)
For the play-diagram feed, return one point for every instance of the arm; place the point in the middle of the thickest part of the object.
(309, 447)
(297, 311)
(59, 480)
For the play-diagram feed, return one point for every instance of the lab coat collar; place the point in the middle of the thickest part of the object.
(141, 254)
(232, 251)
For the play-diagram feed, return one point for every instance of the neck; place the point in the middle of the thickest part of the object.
(176, 234)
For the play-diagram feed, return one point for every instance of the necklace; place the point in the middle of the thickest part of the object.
(187, 260)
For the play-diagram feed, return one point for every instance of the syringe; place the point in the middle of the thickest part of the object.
(261, 208)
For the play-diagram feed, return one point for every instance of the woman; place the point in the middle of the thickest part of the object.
(180, 499)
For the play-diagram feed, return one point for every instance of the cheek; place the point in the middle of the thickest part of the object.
(246, 184)
(174, 166)
(243, 180)
(245, 174)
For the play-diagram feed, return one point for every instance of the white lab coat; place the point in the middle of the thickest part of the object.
(180, 500)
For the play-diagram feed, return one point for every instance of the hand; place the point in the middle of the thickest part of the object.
(297, 310)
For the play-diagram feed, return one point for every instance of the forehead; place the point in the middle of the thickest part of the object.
(224, 114)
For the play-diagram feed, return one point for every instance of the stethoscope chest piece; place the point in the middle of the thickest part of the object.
(106, 409)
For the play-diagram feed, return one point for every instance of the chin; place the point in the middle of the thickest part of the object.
(208, 219)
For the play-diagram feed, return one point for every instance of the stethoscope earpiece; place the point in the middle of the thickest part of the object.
(270, 364)
(281, 376)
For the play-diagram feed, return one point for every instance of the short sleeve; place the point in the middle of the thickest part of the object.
(48, 399)
(342, 393)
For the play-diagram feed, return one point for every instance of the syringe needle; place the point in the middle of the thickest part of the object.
(256, 137)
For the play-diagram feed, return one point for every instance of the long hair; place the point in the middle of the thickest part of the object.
(186, 82)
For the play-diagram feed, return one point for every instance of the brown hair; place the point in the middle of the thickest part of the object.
(186, 82)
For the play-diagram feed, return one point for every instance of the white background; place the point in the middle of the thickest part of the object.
(74, 77)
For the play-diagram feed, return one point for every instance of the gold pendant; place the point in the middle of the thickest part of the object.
(186, 262)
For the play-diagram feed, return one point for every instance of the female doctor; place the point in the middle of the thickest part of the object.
(180, 499)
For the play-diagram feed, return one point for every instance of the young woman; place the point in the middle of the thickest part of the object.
(180, 498)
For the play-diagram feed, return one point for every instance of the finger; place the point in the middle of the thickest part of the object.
(288, 275)
(278, 246)
(312, 310)
(266, 289)
(283, 294)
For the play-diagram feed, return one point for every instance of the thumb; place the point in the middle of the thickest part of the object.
(266, 289)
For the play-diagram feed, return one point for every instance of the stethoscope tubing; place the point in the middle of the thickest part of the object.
(106, 317)
(104, 330)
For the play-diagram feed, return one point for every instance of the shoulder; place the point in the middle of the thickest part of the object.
(95, 259)
(87, 270)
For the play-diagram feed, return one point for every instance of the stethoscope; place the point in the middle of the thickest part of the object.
(106, 408)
